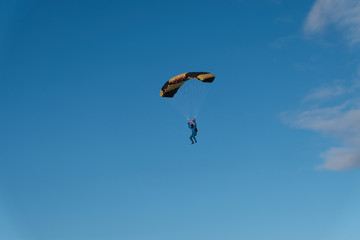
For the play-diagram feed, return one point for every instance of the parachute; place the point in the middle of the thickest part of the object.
(191, 96)
(171, 87)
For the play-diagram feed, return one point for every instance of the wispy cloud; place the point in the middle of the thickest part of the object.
(344, 14)
(337, 159)
(325, 93)
(330, 91)
(340, 121)
(334, 109)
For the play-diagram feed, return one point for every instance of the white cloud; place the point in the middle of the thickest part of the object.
(340, 121)
(344, 14)
(338, 159)
(334, 110)
(325, 93)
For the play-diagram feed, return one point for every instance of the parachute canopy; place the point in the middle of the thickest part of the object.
(172, 86)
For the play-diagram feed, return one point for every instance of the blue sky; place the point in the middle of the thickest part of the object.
(90, 151)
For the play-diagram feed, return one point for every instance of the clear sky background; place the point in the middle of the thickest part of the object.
(89, 150)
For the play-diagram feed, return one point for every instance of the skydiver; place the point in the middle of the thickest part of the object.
(192, 126)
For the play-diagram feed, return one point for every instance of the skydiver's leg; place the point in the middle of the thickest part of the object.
(195, 138)
(191, 138)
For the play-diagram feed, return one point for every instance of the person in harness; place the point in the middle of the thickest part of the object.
(192, 126)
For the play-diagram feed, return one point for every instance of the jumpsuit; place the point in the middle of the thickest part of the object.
(193, 132)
